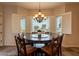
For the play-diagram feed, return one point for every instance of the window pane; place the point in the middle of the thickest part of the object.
(58, 23)
(44, 26)
(23, 24)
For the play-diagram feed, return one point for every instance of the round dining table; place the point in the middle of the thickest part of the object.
(39, 43)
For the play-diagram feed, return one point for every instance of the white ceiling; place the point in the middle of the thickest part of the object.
(35, 5)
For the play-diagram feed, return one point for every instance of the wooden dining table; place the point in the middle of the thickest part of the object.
(39, 43)
(39, 40)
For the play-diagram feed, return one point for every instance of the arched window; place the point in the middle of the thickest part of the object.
(23, 24)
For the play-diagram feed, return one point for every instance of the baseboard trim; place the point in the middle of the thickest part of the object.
(9, 45)
(70, 45)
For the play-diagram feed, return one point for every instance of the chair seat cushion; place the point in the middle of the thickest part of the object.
(47, 50)
(29, 50)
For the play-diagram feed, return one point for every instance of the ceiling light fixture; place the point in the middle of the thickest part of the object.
(39, 17)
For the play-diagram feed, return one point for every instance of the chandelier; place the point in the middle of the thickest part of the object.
(39, 17)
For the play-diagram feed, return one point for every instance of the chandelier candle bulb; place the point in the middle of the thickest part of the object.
(42, 15)
(36, 15)
(39, 13)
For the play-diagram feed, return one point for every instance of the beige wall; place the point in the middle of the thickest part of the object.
(73, 39)
(8, 33)
(1, 26)
(8, 36)
(70, 40)
(59, 10)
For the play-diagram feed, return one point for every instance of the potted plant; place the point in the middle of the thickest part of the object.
(39, 35)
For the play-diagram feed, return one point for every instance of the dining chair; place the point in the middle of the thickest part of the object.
(59, 43)
(54, 48)
(23, 48)
(49, 49)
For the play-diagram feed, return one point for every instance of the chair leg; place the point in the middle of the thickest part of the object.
(60, 51)
(18, 54)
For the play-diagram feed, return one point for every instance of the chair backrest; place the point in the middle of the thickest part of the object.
(60, 39)
(20, 43)
(56, 43)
